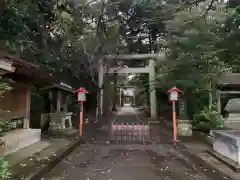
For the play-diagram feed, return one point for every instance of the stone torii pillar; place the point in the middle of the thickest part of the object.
(114, 108)
(152, 89)
(120, 97)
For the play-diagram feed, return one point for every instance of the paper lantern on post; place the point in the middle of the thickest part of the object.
(81, 97)
(173, 97)
(81, 94)
(173, 94)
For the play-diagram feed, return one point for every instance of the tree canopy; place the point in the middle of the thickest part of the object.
(69, 37)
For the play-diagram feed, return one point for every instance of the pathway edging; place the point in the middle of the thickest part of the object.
(39, 173)
(209, 167)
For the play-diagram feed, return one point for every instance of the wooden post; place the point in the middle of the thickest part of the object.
(26, 120)
(58, 101)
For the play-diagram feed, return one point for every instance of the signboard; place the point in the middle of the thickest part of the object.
(81, 97)
(173, 96)
(81, 94)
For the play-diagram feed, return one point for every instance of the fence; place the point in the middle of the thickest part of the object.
(130, 132)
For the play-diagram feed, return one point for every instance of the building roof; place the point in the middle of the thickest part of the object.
(31, 71)
(61, 86)
(232, 79)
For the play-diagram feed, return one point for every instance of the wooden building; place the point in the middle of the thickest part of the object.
(15, 103)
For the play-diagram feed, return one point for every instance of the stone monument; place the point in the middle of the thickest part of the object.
(233, 109)
(184, 126)
(227, 146)
(227, 141)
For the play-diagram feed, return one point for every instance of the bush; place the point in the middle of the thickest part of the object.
(207, 119)
(4, 171)
(4, 126)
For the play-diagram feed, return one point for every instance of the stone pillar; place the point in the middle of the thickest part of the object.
(152, 90)
(145, 100)
(114, 92)
(184, 126)
(134, 99)
(58, 101)
(100, 85)
(219, 108)
(66, 104)
(106, 95)
(182, 109)
(51, 98)
(120, 97)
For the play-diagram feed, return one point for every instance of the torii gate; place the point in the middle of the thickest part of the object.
(122, 88)
(149, 69)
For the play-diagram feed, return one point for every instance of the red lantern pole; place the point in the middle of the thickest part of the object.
(174, 120)
(81, 93)
(173, 97)
(81, 119)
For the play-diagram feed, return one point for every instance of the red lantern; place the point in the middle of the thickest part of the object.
(173, 94)
(173, 97)
(81, 94)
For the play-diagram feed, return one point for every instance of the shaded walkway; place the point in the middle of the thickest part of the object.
(104, 161)
(131, 162)
(130, 115)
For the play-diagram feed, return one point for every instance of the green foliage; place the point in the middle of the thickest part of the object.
(208, 119)
(4, 171)
(192, 49)
(69, 37)
(4, 168)
(4, 126)
(4, 86)
(198, 52)
(196, 101)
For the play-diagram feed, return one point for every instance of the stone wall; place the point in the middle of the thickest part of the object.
(18, 139)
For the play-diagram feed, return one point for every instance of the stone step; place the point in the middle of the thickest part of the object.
(18, 139)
